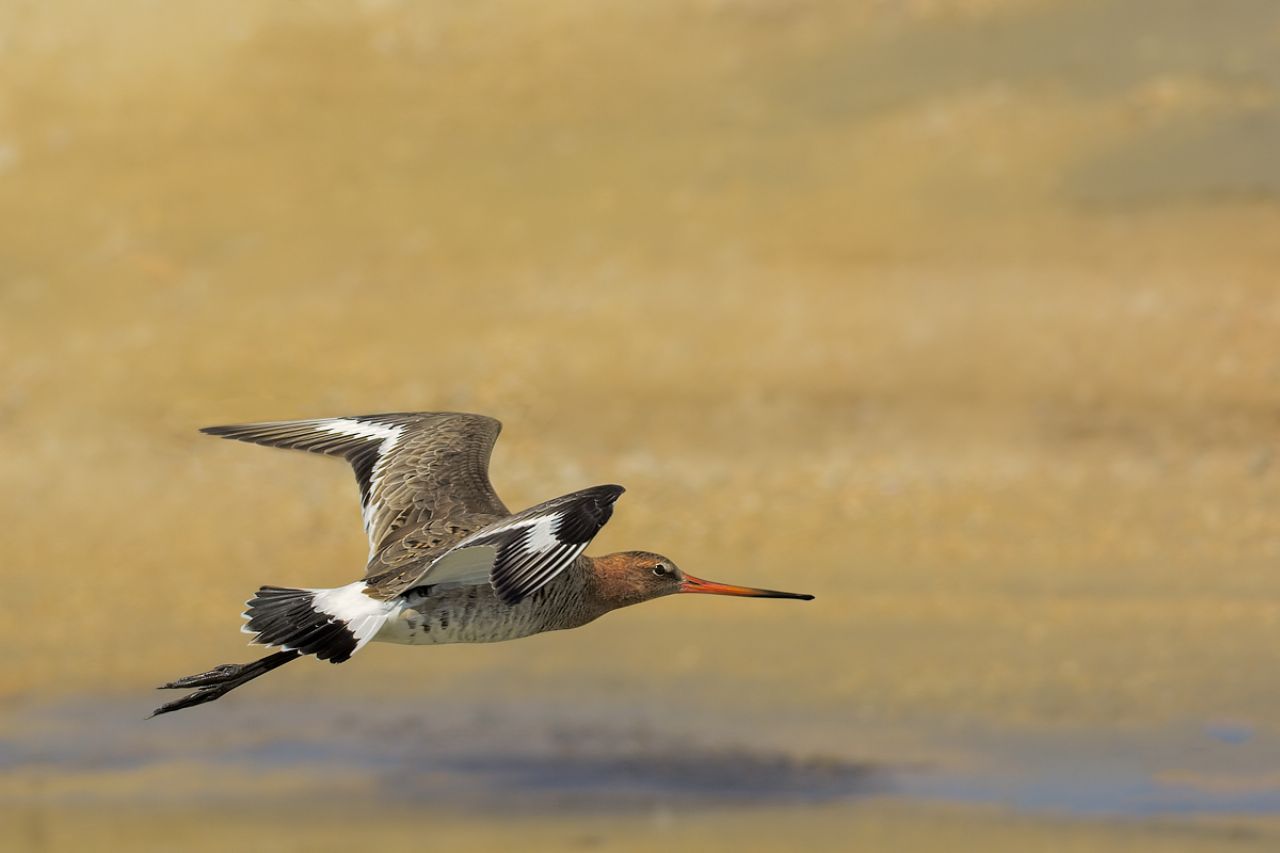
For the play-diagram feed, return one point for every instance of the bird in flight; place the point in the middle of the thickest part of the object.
(448, 562)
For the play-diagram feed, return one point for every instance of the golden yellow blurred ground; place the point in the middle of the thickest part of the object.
(963, 316)
(887, 826)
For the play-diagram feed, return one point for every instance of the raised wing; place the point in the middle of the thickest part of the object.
(412, 467)
(521, 554)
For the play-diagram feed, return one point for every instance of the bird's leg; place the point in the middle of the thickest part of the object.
(221, 680)
(220, 674)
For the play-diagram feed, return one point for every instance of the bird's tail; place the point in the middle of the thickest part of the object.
(332, 624)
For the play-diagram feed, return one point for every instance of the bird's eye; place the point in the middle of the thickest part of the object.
(661, 570)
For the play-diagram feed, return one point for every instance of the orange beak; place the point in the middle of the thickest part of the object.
(692, 584)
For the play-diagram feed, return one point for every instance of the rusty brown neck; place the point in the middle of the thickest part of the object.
(612, 582)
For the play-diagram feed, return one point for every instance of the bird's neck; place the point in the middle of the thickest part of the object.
(608, 583)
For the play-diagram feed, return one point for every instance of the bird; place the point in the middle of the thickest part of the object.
(448, 562)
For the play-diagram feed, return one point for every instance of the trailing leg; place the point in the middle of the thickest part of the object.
(221, 680)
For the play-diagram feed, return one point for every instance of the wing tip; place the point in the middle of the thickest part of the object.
(380, 418)
(610, 491)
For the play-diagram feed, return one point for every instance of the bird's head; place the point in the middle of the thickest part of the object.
(630, 577)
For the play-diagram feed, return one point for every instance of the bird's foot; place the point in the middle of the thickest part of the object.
(220, 674)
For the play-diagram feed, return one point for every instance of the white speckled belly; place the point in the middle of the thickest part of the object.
(473, 614)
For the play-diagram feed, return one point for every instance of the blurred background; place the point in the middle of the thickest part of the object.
(962, 315)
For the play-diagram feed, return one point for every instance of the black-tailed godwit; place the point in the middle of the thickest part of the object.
(448, 563)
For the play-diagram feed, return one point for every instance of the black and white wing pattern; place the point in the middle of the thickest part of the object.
(412, 467)
(522, 553)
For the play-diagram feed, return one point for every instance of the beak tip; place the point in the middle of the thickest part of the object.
(692, 584)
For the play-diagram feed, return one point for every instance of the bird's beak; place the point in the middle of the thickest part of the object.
(692, 584)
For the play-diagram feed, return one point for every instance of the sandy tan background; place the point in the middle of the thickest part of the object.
(963, 316)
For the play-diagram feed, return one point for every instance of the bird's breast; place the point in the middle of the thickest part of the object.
(474, 614)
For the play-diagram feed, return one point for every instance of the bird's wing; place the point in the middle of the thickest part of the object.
(413, 468)
(521, 554)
